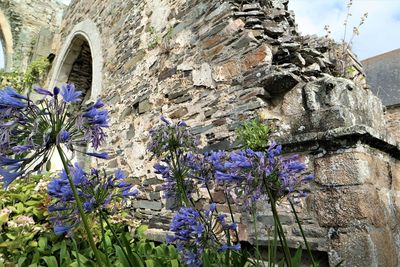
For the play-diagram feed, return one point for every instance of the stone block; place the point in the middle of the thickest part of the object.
(226, 70)
(353, 105)
(360, 249)
(147, 204)
(202, 76)
(178, 113)
(351, 168)
(223, 34)
(285, 219)
(259, 56)
(144, 106)
(345, 207)
(395, 172)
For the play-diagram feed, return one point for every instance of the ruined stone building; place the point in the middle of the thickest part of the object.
(217, 63)
(28, 29)
(383, 76)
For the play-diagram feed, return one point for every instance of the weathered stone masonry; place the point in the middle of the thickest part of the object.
(217, 63)
(27, 30)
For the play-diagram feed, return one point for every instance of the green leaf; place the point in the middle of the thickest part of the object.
(82, 258)
(174, 263)
(149, 263)
(51, 261)
(296, 259)
(339, 264)
(137, 261)
(11, 236)
(21, 260)
(42, 243)
(206, 259)
(48, 165)
(141, 230)
(121, 256)
(65, 258)
(32, 202)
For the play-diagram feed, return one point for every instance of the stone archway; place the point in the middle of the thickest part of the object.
(6, 41)
(80, 60)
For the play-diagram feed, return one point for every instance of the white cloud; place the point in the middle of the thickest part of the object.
(379, 34)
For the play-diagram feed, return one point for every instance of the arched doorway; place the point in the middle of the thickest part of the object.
(80, 61)
(78, 67)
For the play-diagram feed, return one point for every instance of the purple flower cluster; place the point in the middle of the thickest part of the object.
(29, 131)
(169, 137)
(247, 174)
(172, 144)
(193, 232)
(188, 235)
(95, 190)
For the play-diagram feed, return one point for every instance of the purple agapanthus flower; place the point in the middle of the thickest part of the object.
(43, 91)
(96, 191)
(69, 94)
(9, 98)
(33, 129)
(101, 155)
(64, 136)
(247, 173)
(188, 232)
(21, 149)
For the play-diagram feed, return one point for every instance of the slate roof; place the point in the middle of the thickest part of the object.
(383, 76)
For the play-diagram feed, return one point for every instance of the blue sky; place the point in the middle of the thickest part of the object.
(379, 34)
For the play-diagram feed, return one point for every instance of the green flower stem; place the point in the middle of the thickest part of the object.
(281, 234)
(103, 238)
(119, 241)
(80, 207)
(230, 211)
(253, 211)
(179, 179)
(77, 252)
(272, 246)
(314, 264)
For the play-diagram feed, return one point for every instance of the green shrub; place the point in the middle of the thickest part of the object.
(254, 134)
(36, 72)
(14, 79)
(26, 235)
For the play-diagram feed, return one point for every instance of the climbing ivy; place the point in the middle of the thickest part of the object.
(36, 72)
(35, 75)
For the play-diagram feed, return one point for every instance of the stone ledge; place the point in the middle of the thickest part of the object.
(350, 135)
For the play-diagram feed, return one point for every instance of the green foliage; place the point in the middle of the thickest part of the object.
(15, 79)
(26, 235)
(154, 255)
(36, 72)
(254, 134)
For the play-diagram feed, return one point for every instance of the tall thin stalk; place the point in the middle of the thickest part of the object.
(314, 264)
(253, 211)
(281, 234)
(117, 238)
(103, 238)
(80, 207)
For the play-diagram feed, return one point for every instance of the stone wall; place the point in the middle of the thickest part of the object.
(392, 117)
(32, 26)
(217, 63)
(383, 75)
